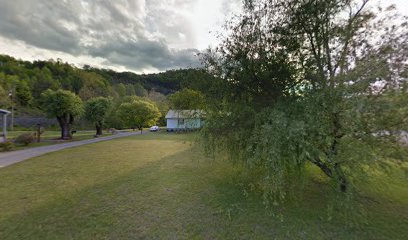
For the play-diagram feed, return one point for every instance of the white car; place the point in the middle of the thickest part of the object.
(154, 129)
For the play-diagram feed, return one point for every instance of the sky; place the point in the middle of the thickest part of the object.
(142, 36)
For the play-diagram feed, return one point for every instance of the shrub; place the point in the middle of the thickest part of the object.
(6, 146)
(112, 131)
(25, 139)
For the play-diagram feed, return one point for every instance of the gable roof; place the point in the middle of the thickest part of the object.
(183, 114)
(2, 111)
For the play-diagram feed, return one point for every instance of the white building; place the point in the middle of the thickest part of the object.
(182, 120)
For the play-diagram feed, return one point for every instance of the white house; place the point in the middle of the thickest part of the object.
(181, 120)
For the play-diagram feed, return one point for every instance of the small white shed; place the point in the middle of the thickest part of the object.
(183, 120)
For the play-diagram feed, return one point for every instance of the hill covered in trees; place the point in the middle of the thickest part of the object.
(40, 75)
(23, 82)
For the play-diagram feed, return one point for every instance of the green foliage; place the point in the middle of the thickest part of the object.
(187, 99)
(5, 101)
(93, 86)
(61, 103)
(129, 99)
(120, 89)
(41, 81)
(140, 90)
(162, 103)
(28, 80)
(130, 90)
(6, 146)
(96, 110)
(65, 106)
(298, 83)
(23, 93)
(138, 113)
(25, 139)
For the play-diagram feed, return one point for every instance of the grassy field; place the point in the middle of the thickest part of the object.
(158, 186)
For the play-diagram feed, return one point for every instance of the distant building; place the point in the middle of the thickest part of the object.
(184, 120)
(3, 116)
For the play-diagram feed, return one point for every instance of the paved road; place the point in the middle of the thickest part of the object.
(9, 158)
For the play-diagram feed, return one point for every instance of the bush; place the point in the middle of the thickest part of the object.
(25, 139)
(6, 146)
(112, 131)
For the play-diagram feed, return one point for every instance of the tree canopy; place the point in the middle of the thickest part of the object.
(65, 106)
(139, 113)
(187, 99)
(96, 110)
(309, 82)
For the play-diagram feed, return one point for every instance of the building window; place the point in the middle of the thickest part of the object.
(181, 122)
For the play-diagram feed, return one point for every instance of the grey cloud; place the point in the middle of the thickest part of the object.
(136, 34)
(146, 54)
(29, 23)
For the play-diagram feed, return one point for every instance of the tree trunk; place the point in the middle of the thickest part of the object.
(66, 131)
(98, 129)
(341, 178)
(65, 126)
(333, 172)
(331, 168)
(337, 134)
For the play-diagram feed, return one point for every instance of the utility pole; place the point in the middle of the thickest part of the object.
(11, 95)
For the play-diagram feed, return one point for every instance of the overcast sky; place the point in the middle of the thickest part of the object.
(143, 36)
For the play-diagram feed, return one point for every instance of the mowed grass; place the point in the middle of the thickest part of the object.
(159, 186)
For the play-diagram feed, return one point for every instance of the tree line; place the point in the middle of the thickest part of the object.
(103, 97)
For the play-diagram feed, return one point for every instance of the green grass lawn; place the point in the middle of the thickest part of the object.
(158, 186)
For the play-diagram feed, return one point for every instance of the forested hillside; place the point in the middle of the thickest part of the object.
(23, 82)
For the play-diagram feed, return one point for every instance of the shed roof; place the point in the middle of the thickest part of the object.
(3, 111)
(185, 114)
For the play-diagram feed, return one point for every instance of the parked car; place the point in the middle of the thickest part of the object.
(154, 129)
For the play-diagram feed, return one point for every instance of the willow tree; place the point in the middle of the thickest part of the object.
(309, 82)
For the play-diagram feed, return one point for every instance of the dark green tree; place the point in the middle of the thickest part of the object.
(5, 101)
(96, 110)
(23, 93)
(140, 90)
(41, 81)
